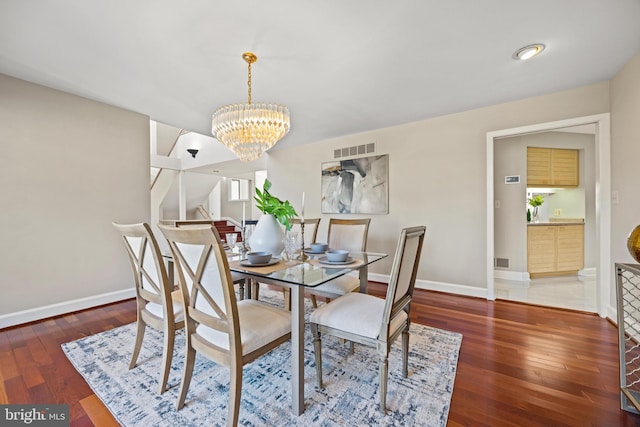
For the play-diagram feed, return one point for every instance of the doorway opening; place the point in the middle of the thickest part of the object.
(602, 199)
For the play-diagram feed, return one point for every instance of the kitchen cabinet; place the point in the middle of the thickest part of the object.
(552, 167)
(554, 249)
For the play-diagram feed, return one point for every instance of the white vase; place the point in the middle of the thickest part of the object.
(267, 236)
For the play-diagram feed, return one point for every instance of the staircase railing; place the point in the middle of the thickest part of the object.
(203, 212)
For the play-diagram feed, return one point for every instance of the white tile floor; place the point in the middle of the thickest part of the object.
(572, 292)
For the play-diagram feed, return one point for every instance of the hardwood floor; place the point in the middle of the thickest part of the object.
(519, 365)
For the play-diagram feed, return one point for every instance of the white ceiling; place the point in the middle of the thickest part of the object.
(340, 66)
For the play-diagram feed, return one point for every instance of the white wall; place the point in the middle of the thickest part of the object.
(233, 209)
(69, 167)
(437, 178)
(510, 233)
(625, 159)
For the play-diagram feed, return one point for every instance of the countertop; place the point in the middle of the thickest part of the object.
(554, 223)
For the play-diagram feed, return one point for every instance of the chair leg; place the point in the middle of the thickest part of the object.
(405, 352)
(255, 289)
(286, 294)
(167, 355)
(317, 346)
(190, 359)
(313, 301)
(384, 371)
(136, 347)
(235, 391)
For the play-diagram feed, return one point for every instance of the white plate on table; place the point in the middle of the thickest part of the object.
(324, 260)
(272, 261)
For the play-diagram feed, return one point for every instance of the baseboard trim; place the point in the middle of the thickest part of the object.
(39, 313)
(431, 285)
(521, 276)
(375, 277)
(588, 272)
(612, 314)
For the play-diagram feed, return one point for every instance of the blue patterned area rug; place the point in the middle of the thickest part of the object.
(348, 399)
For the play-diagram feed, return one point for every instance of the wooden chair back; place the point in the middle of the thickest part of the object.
(310, 229)
(205, 281)
(403, 274)
(348, 234)
(150, 274)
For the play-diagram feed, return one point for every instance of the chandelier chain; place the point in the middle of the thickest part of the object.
(249, 84)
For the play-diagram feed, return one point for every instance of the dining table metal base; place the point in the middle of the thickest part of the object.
(297, 350)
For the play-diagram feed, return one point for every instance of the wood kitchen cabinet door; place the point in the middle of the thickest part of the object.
(541, 249)
(564, 168)
(570, 248)
(555, 249)
(552, 167)
(538, 166)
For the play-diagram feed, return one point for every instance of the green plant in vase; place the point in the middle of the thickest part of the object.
(535, 202)
(269, 204)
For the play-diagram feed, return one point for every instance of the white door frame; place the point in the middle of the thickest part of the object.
(603, 198)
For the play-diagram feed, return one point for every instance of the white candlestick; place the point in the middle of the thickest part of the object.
(302, 210)
(243, 206)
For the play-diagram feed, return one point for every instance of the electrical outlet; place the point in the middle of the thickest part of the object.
(557, 212)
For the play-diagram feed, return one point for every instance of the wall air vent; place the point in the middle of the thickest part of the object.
(502, 262)
(355, 150)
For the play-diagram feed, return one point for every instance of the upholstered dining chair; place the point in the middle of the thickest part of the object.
(350, 235)
(229, 332)
(157, 304)
(374, 321)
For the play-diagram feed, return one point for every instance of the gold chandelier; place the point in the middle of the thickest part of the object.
(250, 129)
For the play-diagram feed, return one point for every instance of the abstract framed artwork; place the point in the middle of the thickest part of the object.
(356, 186)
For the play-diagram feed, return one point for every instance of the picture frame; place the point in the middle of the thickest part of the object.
(356, 186)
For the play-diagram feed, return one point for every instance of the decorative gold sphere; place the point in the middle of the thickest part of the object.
(633, 243)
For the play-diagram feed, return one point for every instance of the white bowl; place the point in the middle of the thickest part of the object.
(319, 247)
(259, 257)
(337, 255)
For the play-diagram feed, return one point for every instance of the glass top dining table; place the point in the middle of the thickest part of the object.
(297, 275)
(315, 271)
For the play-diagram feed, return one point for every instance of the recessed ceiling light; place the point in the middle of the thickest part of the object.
(528, 52)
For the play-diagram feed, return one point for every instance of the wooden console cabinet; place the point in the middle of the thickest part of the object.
(555, 249)
(552, 167)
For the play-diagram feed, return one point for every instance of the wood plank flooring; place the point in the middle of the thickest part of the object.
(519, 365)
